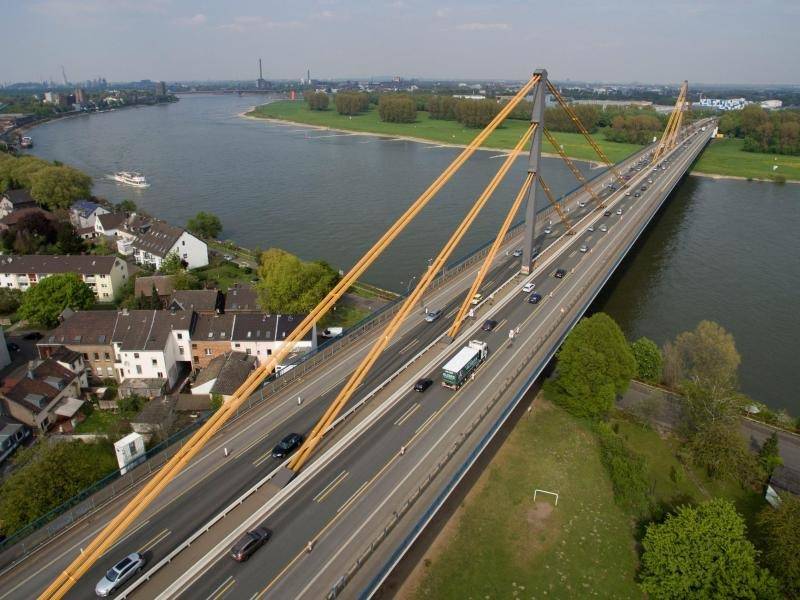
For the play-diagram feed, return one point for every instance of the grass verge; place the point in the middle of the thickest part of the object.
(446, 132)
(726, 157)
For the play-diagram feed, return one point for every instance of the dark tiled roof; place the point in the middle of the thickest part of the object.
(229, 370)
(111, 220)
(241, 297)
(250, 327)
(148, 329)
(199, 300)
(90, 327)
(19, 197)
(213, 328)
(12, 219)
(49, 379)
(157, 238)
(157, 411)
(163, 283)
(46, 263)
(65, 355)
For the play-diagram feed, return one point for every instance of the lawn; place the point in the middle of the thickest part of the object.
(223, 274)
(344, 315)
(105, 421)
(448, 132)
(505, 546)
(726, 157)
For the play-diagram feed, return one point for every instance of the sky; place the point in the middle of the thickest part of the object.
(705, 41)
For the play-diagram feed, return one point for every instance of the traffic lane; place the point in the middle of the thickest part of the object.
(338, 479)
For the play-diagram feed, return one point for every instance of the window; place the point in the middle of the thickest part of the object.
(106, 356)
(180, 336)
(209, 352)
(269, 351)
(135, 355)
(196, 358)
(180, 350)
(99, 371)
(138, 369)
(249, 351)
(194, 346)
(110, 371)
(85, 356)
(155, 362)
(237, 345)
(160, 375)
(97, 356)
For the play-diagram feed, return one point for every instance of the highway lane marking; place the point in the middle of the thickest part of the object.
(154, 541)
(330, 487)
(451, 313)
(407, 414)
(501, 323)
(263, 458)
(352, 498)
(428, 420)
(224, 587)
(571, 254)
(60, 556)
(409, 345)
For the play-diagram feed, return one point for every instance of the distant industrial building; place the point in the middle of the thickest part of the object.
(161, 88)
(772, 104)
(261, 83)
(723, 104)
(80, 96)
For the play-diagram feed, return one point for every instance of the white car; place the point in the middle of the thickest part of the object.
(628, 193)
(582, 203)
(590, 228)
(603, 228)
(119, 574)
(619, 211)
(517, 252)
(548, 230)
(584, 248)
(476, 299)
(528, 287)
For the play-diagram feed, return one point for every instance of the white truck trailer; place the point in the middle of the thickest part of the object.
(456, 370)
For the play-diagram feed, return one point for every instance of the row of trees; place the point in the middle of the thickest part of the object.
(397, 109)
(34, 233)
(351, 103)
(764, 131)
(316, 100)
(634, 129)
(470, 113)
(51, 184)
(289, 285)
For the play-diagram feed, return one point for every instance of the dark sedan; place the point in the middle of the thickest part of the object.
(559, 274)
(489, 324)
(534, 298)
(287, 445)
(422, 385)
(249, 543)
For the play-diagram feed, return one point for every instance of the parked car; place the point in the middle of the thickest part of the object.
(643, 188)
(528, 287)
(559, 274)
(422, 385)
(32, 335)
(249, 543)
(433, 315)
(489, 325)
(119, 574)
(228, 257)
(517, 252)
(534, 298)
(650, 180)
(287, 445)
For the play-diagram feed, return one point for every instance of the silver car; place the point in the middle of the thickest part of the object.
(433, 315)
(119, 574)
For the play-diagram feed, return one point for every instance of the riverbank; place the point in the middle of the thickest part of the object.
(726, 158)
(426, 130)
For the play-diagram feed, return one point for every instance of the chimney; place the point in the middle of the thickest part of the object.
(260, 74)
(31, 367)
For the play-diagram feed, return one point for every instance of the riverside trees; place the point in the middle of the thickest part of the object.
(397, 109)
(288, 285)
(351, 103)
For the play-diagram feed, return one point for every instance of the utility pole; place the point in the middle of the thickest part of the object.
(534, 158)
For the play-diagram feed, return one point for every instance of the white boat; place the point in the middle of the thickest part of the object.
(26, 142)
(133, 178)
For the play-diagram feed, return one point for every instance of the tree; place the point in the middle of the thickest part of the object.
(67, 239)
(47, 299)
(205, 225)
(316, 100)
(648, 359)
(171, 264)
(351, 103)
(397, 109)
(128, 206)
(476, 113)
(183, 280)
(9, 300)
(59, 187)
(720, 448)
(288, 285)
(779, 530)
(769, 455)
(594, 365)
(702, 552)
(48, 475)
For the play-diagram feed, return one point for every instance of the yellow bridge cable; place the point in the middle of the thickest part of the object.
(673, 124)
(487, 263)
(554, 203)
(302, 456)
(575, 171)
(116, 527)
(575, 119)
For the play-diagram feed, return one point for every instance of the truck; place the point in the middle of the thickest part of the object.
(456, 370)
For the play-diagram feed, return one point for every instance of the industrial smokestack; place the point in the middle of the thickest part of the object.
(260, 74)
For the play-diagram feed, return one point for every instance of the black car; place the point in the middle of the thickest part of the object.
(643, 188)
(607, 213)
(249, 543)
(287, 445)
(534, 298)
(559, 274)
(32, 335)
(489, 324)
(12, 347)
(422, 385)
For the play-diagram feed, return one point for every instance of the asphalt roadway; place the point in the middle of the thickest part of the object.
(341, 509)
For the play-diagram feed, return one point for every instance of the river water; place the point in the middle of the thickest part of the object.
(720, 250)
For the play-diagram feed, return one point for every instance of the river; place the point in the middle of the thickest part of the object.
(720, 250)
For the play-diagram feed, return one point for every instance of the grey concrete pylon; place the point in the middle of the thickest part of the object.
(534, 158)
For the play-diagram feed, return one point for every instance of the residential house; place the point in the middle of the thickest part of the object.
(104, 274)
(153, 344)
(224, 374)
(241, 298)
(14, 200)
(11, 220)
(211, 338)
(83, 213)
(44, 395)
(143, 286)
(72, 360)
(89, 332)
(12, 434)
(150, 241)
(203, 302)
(108, 224)
(261, 335)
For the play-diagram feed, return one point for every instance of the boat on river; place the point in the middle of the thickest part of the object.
(133, 178)
(26, 142)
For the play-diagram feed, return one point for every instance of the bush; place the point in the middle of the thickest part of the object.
(476, 113)
(397, 109)
(351, 103)
(626, 469)
(648, 359)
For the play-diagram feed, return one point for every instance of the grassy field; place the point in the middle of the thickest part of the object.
(223, 274)
(726, 157)
(105, 421)
(506, 546)
(447, 132)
